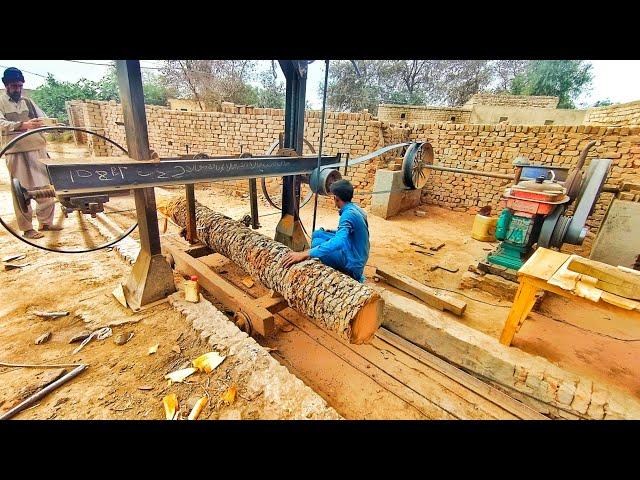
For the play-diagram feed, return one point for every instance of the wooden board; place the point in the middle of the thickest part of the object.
(231, 296)
(431, 297)
(543, 263)
(474, 384)
(609, 278)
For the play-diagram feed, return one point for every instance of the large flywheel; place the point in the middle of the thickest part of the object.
(414, 170)
(275, 198)
(81, 223)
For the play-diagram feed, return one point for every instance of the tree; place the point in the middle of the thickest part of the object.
(406, 82)
(505, 71)
(212, 82)
(462, 78)
(272, 93)
(52, 95)
(349, 92)
(565, 79)
(602, 103)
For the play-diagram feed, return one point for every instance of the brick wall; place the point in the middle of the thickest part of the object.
(512, 100)
(493, 148)
(422, 114)
(481, 147)
(622, 114)
(75, 112)
(242, 129)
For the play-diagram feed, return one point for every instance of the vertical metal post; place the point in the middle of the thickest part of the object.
(324, 106)
(151, 278)
(253, 201)
(289, 230)
(192, 233)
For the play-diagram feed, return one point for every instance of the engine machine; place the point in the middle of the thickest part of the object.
(536, 207)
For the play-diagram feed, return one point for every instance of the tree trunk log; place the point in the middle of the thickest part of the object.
(338, 302)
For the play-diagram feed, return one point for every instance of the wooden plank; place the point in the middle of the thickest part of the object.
(609, 278)
(273, 304)
(474, 384)
(434, 298)
(231, 297)
(543, 263)
(423, 404)
(445, 392)
(564, 293)
(522, 305)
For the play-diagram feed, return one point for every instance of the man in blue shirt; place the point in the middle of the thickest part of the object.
(346, 249)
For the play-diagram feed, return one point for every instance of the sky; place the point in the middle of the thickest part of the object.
(615, 80)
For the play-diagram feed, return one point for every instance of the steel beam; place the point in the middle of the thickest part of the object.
(289, 230)
(102, 174)
(151, 278)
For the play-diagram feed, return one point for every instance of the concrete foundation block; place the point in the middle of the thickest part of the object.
(532, 379)
(396, 198)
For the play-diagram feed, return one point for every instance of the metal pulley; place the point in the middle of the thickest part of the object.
(263, 181)
(416, 160)
(559, 228)
(320, 181)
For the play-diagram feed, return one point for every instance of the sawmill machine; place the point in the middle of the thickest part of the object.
(89, 186)
(538, 204)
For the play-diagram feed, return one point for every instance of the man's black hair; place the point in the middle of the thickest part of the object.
(342, 189)
(12, 74)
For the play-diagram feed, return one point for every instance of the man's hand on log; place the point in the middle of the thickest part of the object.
(292, 258)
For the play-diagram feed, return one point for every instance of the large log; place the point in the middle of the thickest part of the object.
(336, 301)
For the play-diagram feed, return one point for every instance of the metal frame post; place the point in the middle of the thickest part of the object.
(151, 278)
(191, 233)
(289, 230)
(253, 202)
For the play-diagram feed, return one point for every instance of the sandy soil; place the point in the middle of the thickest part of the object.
(579, 340)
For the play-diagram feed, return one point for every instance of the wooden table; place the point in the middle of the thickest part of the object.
(535, 274)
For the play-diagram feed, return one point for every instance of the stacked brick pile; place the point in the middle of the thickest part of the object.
(622, 114)
(423, 114)
(512, 100)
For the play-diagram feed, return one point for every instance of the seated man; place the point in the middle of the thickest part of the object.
(347, 249)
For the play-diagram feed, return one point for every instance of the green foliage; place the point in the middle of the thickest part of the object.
(565, 79)
(272, 93)
(52, 95)
(603, 103)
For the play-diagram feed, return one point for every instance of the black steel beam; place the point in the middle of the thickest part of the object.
(109, 174)
(289, 230)
(253, 202)
(151, 278)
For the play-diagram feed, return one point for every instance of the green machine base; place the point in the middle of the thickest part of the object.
(508, 255)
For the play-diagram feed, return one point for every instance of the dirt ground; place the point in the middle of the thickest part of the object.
(583, 340)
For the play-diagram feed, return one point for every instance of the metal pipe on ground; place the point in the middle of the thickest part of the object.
(44, 392)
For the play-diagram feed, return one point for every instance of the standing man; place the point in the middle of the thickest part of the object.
(347, 249)
(17, 115)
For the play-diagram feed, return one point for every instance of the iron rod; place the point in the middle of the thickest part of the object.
(324, 106)
(42, 393)
(506, 176)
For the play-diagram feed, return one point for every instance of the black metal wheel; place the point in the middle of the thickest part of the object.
(414, 170)
(23, 203)
(243, 322)
(263, 184)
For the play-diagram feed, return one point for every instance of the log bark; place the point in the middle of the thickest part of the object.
(335, 300)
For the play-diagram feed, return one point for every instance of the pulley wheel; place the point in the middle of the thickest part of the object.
(108, 223)
(416, 158)
(263, 184)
